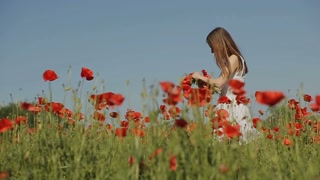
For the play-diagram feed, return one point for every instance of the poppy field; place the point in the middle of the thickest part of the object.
(182, 136)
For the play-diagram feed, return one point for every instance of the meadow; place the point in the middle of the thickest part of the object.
(182, 136)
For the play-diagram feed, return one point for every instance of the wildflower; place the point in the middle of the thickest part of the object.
(87, 73)
(172, 91)
(315, 107)
(20, 119)
(287, 142)
(224, 168)
(138, 132)
(107, 99)
(232, 131)
(293, 104)
(5, 124)
(173, 163)
(54, 107)
(4, 174)
(174, 111)
(131, 160)
(256, 121)
(49, 75)
(242, 99)
(307, 98)
(146, 119)
(199, 96)
(113, 114)
(261, 112)
(269, 98)
(124, 124)
(155, 153)
(180, 123)
(121, 132)
(224, 99)
(237, 87)
(99, 116)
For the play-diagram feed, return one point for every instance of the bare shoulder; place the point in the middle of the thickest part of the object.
(233, 59)
(234, 62)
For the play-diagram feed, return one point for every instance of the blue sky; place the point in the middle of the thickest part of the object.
(155, 41)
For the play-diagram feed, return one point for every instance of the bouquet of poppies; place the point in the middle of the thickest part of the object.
(203, 92)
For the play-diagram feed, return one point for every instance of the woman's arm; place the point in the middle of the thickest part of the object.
(221, 80)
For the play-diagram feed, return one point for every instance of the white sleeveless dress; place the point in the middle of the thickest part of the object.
(239, 114)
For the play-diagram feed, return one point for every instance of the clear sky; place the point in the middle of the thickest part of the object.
(155, 41)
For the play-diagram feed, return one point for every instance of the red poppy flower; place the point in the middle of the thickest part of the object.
(318, 99)
(307, 98)
(30, 107)
(146, 119)
(219, 122)
(87, 73)
(224, 99)
(65, 113)
(49, 75)
(113, 114)
(180, 123)
(173, 92)
(242, 99)
(133, 115)
(293, 104)
(155, 153)
(138, 132)
(124, 124)
(5, 124)
(107, 99)
(4, 175)
(232, 131)
(56, 107)
(205, 73)
(220, 119)
(256, 121)
(287, 142)
(174, 111)
(131, 160)
(237, 87)
(25, 105)
(78, 116)
(167, 86)
(41, 101)
(261, 112)
(173, 163)
(270, 136)
(99, 116)
(224, 168)
(315, 107)
(121, 132)
(186, 85)
(269, 98)
(108, 126)
(222, 113)
(199, 96)
(20, 119)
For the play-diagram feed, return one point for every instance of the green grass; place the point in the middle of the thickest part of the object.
(76, 152)
(49, 147)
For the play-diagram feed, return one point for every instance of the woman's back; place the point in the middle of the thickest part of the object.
(240, 75)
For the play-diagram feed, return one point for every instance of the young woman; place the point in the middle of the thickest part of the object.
(233, 66)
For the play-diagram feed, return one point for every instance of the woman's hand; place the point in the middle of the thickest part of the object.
(196, 76)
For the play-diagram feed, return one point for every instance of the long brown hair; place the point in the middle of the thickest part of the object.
(223, 46)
